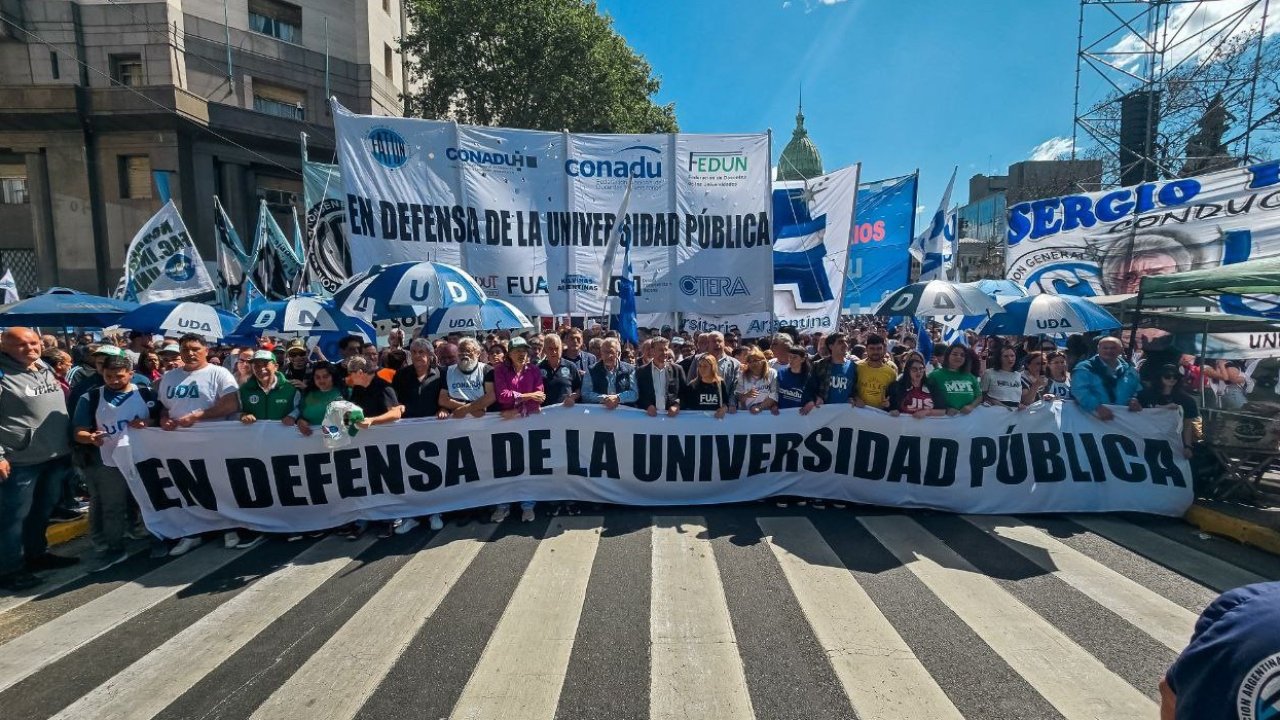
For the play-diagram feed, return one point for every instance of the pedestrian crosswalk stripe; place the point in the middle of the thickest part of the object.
(1165, 621)
(145, 688)
(882, 677)
(523, 666)
(1200, 567)
(59, 579)
(25, 655)
(696, 671)
(1071, 679)
(356, 658)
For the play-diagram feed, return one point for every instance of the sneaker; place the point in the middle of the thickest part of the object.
(61, 515)
(159, 549)
(780, 503)
(406, 526)
(186, 545)
(110, 560)
(500, 513)
(527, 515)
(138, 533)
(19, 581)
(49, 561)
(251, 544)
(819, 504)
(230, 539)
(436, 522)
(386, 530)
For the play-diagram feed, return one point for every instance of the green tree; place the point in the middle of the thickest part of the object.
(542, 64)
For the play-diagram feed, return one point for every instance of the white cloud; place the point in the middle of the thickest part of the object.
(1180, 33)
(919, 209)
(1052, 149)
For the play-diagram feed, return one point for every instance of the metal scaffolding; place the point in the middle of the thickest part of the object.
(1133, 56)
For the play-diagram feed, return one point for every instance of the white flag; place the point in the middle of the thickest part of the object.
(934, 247)
(8, 288)
(162, 262)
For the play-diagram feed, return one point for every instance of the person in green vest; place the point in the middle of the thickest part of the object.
(267, 394)
(955, 382)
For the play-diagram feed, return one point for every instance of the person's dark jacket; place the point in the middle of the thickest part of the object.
(420, 399)
(646, 395)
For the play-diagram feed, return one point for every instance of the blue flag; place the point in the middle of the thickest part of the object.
(628, 325)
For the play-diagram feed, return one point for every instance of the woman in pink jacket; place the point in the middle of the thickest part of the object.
(518, 384)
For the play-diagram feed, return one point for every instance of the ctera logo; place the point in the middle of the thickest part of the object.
(712, 163)
(492, 159)
(388, 147)
(644, 162)
(713, 286)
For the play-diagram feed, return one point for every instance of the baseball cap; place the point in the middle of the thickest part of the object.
(296, 346)
(517, 342)
(677, 340)
(170, 348)
(109, 350)
(263, 355)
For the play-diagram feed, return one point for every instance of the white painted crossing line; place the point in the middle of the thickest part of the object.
(1182, 559)
(1166, 621)
(149, 685)
(59, 579)
(882, 677)
(696, 670)
(1068, 676)
(25, 655)
(522, 669)
(338, 679)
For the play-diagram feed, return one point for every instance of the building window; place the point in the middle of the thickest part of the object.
(53, 64)
(278, 19)
(389, 63)
(279, 100)
(135, 177)
(127, 70)
(13, 191)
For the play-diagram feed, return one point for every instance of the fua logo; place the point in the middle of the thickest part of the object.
(179, 268)
(388, 147)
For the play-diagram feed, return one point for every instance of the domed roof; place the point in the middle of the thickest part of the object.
(800, 159)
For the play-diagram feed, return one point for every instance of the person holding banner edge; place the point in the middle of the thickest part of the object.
(520, 393)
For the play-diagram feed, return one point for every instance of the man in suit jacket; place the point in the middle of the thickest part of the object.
(660, 382)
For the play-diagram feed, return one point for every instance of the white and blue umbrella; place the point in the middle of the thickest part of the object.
(405, 290)
(493, 314)
(60, 307)
(180, 318)
(1049, 315)
(1000, 288)
(936, 298)
(301, 316)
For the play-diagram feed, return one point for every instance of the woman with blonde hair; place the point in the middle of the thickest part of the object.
(758, 384)
(707, 390)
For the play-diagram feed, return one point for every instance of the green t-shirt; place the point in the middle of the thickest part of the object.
(316, 402)
(956, 388)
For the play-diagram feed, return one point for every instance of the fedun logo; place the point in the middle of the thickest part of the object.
(388, 148)
(711, 163)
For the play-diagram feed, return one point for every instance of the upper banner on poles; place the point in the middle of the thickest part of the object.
(528, 213)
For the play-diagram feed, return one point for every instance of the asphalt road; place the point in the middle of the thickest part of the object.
(746, 611)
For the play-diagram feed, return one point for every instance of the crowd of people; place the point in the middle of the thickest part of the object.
(62, 409)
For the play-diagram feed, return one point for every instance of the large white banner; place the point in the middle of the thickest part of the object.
(162, 262)
(813, 224)
(1050, 458)
(528, 213)
(1104, 243)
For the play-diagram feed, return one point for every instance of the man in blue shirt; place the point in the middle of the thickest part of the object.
(1231, 668)
(835, 376)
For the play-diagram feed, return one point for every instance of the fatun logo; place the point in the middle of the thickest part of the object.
(388, 147)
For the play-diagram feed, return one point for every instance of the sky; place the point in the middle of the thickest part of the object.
(894, 84)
